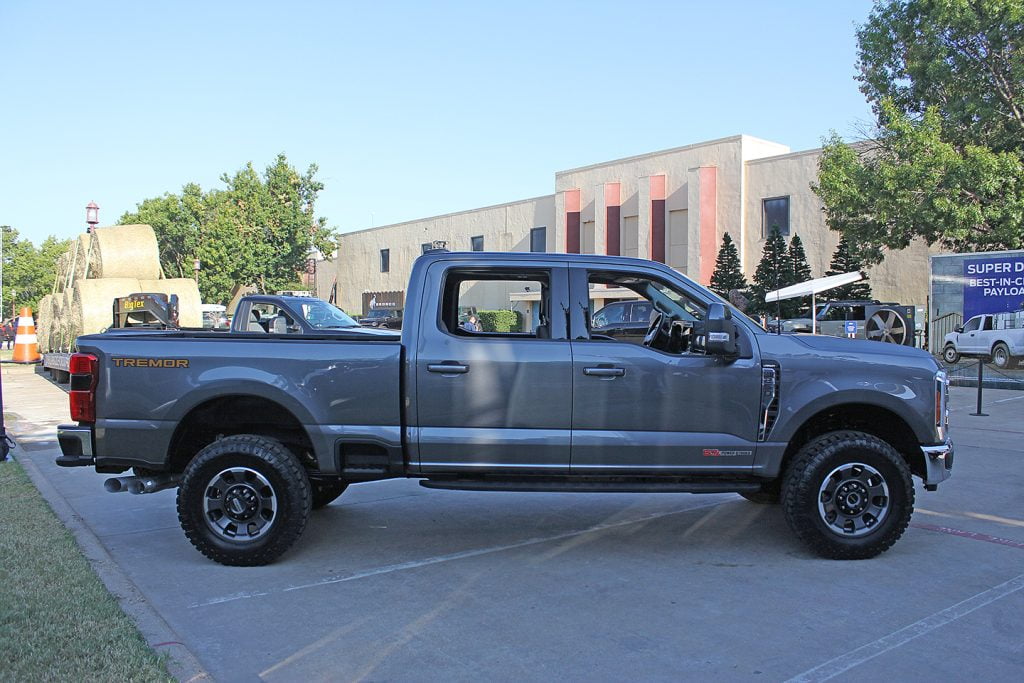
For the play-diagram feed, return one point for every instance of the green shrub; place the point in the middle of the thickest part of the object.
(500, 321)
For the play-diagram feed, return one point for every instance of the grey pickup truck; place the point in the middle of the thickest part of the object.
(257, 428)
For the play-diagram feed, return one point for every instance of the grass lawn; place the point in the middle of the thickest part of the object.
(57, 620)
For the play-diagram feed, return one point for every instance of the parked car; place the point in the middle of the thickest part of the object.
(382, 317)
(999, 337)
(874, 320)
(623, 319)
(258, 429)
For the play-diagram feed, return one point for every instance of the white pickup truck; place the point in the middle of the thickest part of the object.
(999, 336)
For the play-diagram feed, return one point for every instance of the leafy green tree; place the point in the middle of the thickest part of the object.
(257, 230)
(27, 270)
(965, 59)
(774, 271)
(946, 81)
(844, 260)
(728, 273)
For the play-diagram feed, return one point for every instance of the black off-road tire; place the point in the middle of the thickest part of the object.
(326, 491)
(865, 465)
(261, 469)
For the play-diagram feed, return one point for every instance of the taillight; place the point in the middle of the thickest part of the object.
(84, 370)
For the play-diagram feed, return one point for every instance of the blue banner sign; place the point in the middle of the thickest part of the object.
(993, 285)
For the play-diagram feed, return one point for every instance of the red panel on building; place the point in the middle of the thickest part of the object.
(658, 218)
(708, 178)
(613, 219)
(572, 221)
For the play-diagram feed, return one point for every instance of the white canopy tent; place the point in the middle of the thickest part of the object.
(812, 288)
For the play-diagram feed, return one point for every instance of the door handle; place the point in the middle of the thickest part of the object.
(604, 372)
(448, 368)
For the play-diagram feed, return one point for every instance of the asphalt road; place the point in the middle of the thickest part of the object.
(397, 582)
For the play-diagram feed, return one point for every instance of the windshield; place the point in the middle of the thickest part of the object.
(321, 315)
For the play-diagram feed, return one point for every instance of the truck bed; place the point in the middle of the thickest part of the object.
(336, 386)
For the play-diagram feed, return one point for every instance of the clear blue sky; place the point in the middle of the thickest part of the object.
(410, 109)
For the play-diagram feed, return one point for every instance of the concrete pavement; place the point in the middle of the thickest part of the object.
(397, 582)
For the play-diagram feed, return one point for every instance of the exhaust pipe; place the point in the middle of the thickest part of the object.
(140, 485)
(117, 484)
(159, 482)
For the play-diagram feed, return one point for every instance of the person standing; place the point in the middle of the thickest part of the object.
(8, 333)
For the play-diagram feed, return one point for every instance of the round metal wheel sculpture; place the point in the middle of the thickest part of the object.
(887, 325)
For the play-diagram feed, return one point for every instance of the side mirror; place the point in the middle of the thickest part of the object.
(721, 331)
(958, 329)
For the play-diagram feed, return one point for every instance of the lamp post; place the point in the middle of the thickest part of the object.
(92, 216)
(196, 265)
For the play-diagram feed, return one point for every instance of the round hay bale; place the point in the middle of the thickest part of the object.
(66, 331)
(63, 263)
(124, 251)
(189, 312)
(92, 303)
(58, 326)
(44, 322)
(82, 248)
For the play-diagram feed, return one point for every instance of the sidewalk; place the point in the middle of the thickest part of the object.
(33, 407)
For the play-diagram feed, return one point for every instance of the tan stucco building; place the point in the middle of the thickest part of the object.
(672, 206)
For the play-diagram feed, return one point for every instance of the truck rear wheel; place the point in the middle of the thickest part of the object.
(324, 492)
(848, 495)
(1001, 356)
(244, 500)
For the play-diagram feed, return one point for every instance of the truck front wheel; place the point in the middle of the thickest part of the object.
(244, 500)
(848, 495)
(950, 354)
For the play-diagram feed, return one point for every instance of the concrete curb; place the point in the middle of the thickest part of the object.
(181, 663)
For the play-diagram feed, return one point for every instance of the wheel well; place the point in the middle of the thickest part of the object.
(227, 415)
(880, 422)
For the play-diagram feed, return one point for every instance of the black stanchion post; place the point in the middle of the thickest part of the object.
(981, 379)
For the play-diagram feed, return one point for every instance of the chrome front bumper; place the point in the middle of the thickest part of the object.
(938, 464)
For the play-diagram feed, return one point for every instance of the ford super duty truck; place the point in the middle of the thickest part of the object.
(261, 425)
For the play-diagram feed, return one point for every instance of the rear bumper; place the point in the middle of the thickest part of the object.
(938, 463)
(76, 446)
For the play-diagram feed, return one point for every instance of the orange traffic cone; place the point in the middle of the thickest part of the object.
(26, 347)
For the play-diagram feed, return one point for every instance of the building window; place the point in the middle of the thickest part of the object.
(775, 214)
(539, 239)
(477, 243)
(426, 246)
(385, 260)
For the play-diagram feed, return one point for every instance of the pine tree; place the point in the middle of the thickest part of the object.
(801, 272)
(773, 272)
(845, 260)
(728, 274)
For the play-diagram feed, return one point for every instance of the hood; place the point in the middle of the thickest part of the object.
(861, 347)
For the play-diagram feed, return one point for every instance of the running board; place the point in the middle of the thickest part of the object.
(591, 486)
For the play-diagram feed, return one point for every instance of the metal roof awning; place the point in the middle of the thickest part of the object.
(812, 288)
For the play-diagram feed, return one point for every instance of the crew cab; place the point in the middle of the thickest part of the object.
(258, 428)
(998, 336)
